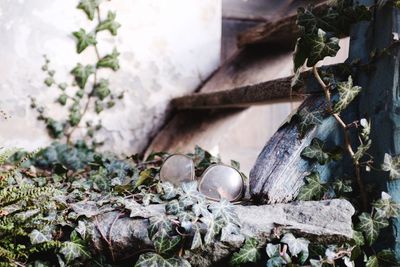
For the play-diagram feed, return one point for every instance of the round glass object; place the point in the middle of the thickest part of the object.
(220, 181)
(177, 169)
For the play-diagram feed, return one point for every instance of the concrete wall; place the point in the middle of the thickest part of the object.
(167, 49)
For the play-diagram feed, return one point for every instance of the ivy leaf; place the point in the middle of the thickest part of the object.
(89, 7)
(392, 165)
(316, 151)
(387, 257)
(372, 262)
(229, 230)
(224, 210)
(308, 119)
(197, 242)
(151, 259)
(341, 186)
(84, 40)
(62, 99)
(163, 243)
(190, 194)
(358, 238)
(109, 24)
(169, 191)
(386, 207)
(109, 61)
(74, 118)
(371, 226)
(173, 207)
(101, 89)
(159, 222)
(201, 209)
(383, 258)
(38, 237)
(247, 253)
(321, 46)
(366, 129)
(296, 245)
(72, 251)
(313, 189)
(214, 226)
(81, 74)
(361, 150)
(275, 258)
(347, 93)
(49, 81)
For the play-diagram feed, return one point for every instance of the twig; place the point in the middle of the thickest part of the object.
(347, 139)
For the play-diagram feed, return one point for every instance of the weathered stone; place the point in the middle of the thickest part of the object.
(122, 237)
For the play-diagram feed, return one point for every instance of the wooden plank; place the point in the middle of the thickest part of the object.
(380, 101)
(230, 30)
(283, 31)
(274, 91)
(279, 171)
(267, 92)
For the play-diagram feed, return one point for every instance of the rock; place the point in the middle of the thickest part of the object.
(121, 237)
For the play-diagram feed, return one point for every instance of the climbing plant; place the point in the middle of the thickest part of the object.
(87, 90)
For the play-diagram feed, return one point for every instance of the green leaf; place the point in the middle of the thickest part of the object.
(361, 150)
(151, 259)
(308, 120)
(366, 129)
(109, 24)
(358, 238)
(386, 207)
(101, 89)
(321, 46)
(109, 61)
(62, 99)
(372, 262)
(197, 241)
(392, 165)
(347, 93)
(163, 243)
(224, 210)
(37, 237)
(316, 151)
(371, 226)
(247, 253)
(277, 261)
(49, 81)
(313, 189)
(81, 74)
(84, 40)
(89, 7)
(157, 223)
(168, 191)
(341, 186)
(173, 207)
(74, 118)
(296, 245)
(55, 128)
(214, 226)
(72, 251)
(387, 257)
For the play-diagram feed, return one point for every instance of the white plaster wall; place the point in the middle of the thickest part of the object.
(167, 49)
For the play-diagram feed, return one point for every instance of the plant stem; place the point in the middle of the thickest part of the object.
(347, 139)
(86, 107)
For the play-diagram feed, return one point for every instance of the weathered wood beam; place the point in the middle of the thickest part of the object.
(279, 171)
(274, 91)
(379, 101)
(325, 221)
(283, 31)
